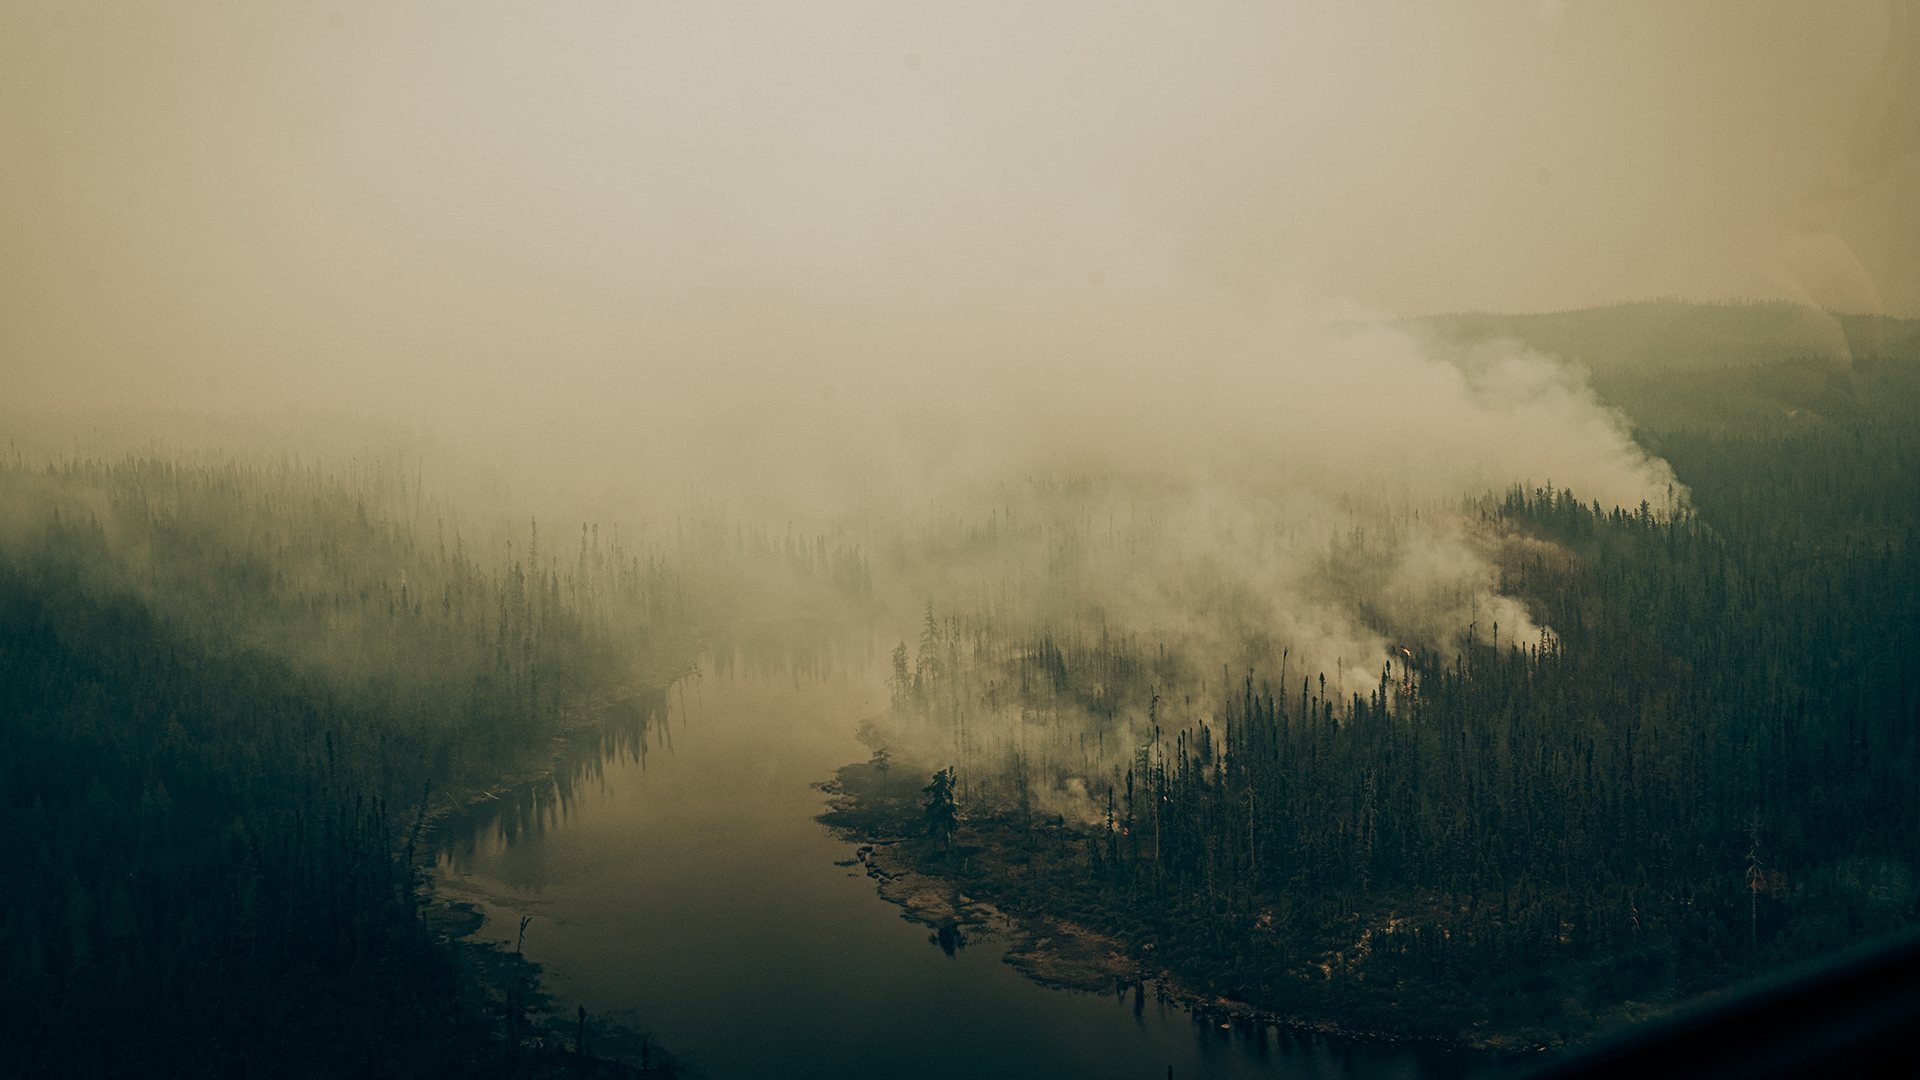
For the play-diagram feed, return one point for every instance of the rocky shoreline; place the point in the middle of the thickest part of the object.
(1061, 954)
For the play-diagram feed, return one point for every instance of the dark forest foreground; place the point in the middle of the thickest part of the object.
(227, 692)
(231, 694)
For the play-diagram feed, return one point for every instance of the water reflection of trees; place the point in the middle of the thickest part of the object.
(621, 737)
(804, 646)
(799, 647)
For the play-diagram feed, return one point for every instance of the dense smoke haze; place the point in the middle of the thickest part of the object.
(1354, 519)
(843, 266)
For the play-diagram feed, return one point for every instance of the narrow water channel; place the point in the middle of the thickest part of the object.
(688, 890)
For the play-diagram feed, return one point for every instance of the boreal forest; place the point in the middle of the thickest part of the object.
(1358, 539)
(1634, 754)
(238, 693)
(1702, 771)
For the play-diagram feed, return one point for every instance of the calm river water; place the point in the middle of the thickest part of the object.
(688, 891)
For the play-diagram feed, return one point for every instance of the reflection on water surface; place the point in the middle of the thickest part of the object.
(678, 881)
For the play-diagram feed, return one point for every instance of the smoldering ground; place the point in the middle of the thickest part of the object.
(1272, 474)
(1316, 520)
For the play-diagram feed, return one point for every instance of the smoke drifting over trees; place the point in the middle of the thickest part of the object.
(854, 269)
(1312, 491)
(1071, 350)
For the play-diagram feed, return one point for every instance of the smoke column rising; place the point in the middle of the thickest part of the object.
(797, 261)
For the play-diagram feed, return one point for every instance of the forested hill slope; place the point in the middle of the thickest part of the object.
(223, 692)
(1674, 335)
(1705, 771)
(1669, 364)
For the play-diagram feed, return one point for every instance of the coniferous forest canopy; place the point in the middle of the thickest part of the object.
(630, 539)
(234, 694)
(238, 689)
(1702, 771)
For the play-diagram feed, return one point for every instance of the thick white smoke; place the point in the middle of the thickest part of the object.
(1239, 481)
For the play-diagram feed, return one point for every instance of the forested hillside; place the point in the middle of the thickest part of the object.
(227, 691)
(236, 692)
(1749, 367)
(1703, 771)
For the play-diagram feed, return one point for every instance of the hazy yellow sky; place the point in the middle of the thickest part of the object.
(461, 208)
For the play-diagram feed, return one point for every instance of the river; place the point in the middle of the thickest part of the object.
(680, 884)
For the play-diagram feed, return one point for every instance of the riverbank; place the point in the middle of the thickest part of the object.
(502, 984)
(1063, 954)
(669, 894)
(564, 748)
(505, 987)
(1000, 881)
